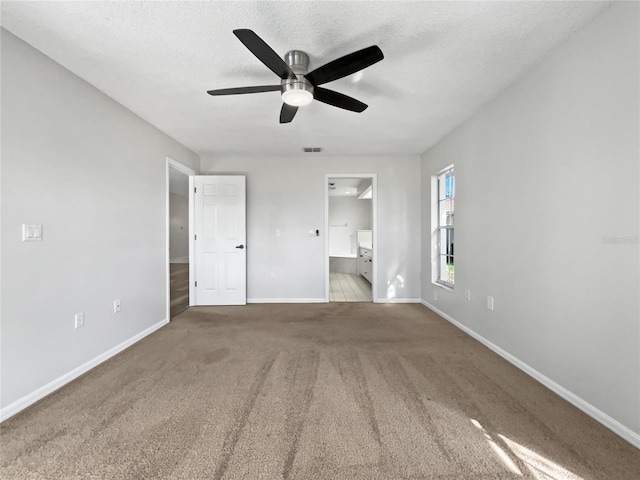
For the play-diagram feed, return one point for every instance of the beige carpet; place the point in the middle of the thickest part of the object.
(330, 391)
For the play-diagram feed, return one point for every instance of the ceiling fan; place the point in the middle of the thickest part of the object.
(299, 87)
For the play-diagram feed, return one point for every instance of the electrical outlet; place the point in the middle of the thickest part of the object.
(490, 303)
(272, 276)
(31, 233)
(467, 295)
(116, 305)
(79, 320)
(277, 233)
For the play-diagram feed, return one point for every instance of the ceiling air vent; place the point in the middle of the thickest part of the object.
(311, 149)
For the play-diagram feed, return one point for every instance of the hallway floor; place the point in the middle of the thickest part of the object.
(179, 291)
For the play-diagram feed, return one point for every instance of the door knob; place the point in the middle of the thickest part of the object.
(240, 246)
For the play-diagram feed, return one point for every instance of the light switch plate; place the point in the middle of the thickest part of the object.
(31, 232)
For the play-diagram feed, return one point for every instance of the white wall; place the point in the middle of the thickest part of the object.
(545, 175)
(93, 174)
(288, 194)
(356, 214)
(178, 227)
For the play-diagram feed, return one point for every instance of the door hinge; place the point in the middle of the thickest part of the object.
(195, 237)
(196, 283)
(195, 189)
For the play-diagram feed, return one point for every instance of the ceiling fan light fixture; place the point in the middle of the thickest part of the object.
(297, 98)
(298, 86)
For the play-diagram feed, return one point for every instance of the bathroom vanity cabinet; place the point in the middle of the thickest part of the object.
(365, 262)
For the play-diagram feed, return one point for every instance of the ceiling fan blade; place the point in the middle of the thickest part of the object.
(346, 65)
(264, 53)
(239, 90)
(287, 113)
(339, 100)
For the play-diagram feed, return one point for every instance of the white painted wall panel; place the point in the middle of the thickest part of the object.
(94, 175)
(287, 194)
(547, 181)
(179, 226)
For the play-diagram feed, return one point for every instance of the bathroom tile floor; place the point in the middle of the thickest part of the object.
(344, 287)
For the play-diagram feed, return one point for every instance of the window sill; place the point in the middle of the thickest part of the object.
(448, 288)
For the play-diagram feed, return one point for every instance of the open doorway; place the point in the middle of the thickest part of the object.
(178, 237)
(350, 246)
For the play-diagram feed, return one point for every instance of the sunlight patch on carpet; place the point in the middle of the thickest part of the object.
(500, 453)
(542, 468)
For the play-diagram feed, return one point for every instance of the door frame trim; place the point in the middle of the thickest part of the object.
(374, 228)
(171, 163)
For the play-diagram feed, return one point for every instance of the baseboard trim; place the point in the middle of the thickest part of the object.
(598, 415)
(286, 300)
(322, 300)
(29, 399)
(398, 300)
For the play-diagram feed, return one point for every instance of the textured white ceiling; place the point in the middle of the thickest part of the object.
(443, 60)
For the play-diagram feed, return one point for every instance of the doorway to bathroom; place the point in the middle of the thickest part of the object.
(351, 211)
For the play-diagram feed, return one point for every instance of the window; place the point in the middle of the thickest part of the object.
(445, 189)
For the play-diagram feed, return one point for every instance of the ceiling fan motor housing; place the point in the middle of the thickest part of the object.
(298, 91)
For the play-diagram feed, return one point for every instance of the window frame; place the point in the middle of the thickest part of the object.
(439, 251)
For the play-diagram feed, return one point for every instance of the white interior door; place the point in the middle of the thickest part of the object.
(220, 240)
